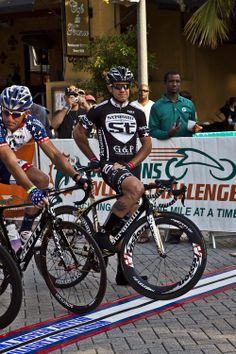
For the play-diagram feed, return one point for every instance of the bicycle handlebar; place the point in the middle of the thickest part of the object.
(54, 191)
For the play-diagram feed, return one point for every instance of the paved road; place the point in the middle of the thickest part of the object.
(204, 326)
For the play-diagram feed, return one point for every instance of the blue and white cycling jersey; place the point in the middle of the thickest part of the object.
(31, 128)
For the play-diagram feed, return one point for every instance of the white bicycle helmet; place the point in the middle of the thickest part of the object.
(120, 74)
(17, 98)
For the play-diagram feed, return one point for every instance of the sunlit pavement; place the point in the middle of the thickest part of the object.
(205, 325)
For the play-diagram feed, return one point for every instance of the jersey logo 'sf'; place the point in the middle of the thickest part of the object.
(121, 126)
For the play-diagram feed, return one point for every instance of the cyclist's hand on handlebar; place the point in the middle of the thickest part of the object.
(94, 165)
(38, 198)
(84, 183)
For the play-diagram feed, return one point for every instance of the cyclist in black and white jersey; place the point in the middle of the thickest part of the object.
(17, 127)
(120, 127)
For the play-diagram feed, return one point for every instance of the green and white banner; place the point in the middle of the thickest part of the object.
(207, 166)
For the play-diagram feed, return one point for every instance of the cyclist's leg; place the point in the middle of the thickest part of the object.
(122, 181)
(40, 180)
(7, 178)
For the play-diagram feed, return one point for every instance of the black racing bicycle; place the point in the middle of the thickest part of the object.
(171, 270)
(71, 263)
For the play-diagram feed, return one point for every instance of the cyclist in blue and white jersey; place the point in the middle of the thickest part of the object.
(17, 127)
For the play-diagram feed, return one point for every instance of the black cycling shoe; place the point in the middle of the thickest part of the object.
(120, 278)
(104, 244)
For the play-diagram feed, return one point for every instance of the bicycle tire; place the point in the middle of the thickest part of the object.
(173, 274)
(10, 289)
(80, 285)
(68, 213)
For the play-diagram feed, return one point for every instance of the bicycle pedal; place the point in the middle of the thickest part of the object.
(107, 253)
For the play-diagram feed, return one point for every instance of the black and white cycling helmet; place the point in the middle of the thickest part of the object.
(17, 98)
(120, 74)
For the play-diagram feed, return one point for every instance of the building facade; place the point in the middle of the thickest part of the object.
(34, 50)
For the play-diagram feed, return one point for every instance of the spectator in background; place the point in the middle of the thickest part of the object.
(64, 120)
(41, 113)
(227, 115)
(169, 117)
(90, 100)
(143, 102)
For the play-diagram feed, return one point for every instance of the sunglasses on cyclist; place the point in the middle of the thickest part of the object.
(14, 114)
(121, 86)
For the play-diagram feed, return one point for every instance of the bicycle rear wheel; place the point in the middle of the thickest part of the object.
(10, 289)
(70, 213)
(169, 275)
(73, 267)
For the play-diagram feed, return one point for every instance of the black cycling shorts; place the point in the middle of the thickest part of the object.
(114, 178)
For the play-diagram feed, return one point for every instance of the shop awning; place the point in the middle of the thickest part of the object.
(15, 6)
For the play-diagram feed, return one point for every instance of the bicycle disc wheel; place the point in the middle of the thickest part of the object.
(10, 289)
(176, 271)
(73, 267)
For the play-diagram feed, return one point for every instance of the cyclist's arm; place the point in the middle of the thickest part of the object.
(144, 151)
(81, 139)
(57, 158)
(9, 159)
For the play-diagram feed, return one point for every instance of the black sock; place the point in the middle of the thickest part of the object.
(111, 222)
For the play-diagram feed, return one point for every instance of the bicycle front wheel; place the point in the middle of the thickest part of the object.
(170, 274)
(73, 267)
(10, 289)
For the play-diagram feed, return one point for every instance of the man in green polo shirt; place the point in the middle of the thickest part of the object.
(170, 115)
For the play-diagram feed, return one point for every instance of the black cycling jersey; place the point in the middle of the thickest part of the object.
(118, 129)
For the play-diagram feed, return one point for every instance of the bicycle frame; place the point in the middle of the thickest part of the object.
(47, 218)
(24, 255)
(145, 209)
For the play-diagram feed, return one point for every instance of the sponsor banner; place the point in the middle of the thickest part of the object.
(206, 166)
(13, 194)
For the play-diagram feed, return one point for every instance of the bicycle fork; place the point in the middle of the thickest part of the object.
(59, 247)
(155, 233)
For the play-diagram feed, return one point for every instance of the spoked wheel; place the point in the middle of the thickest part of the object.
(70, 213)
(172, 273)
(73, 267)
(10, 289)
